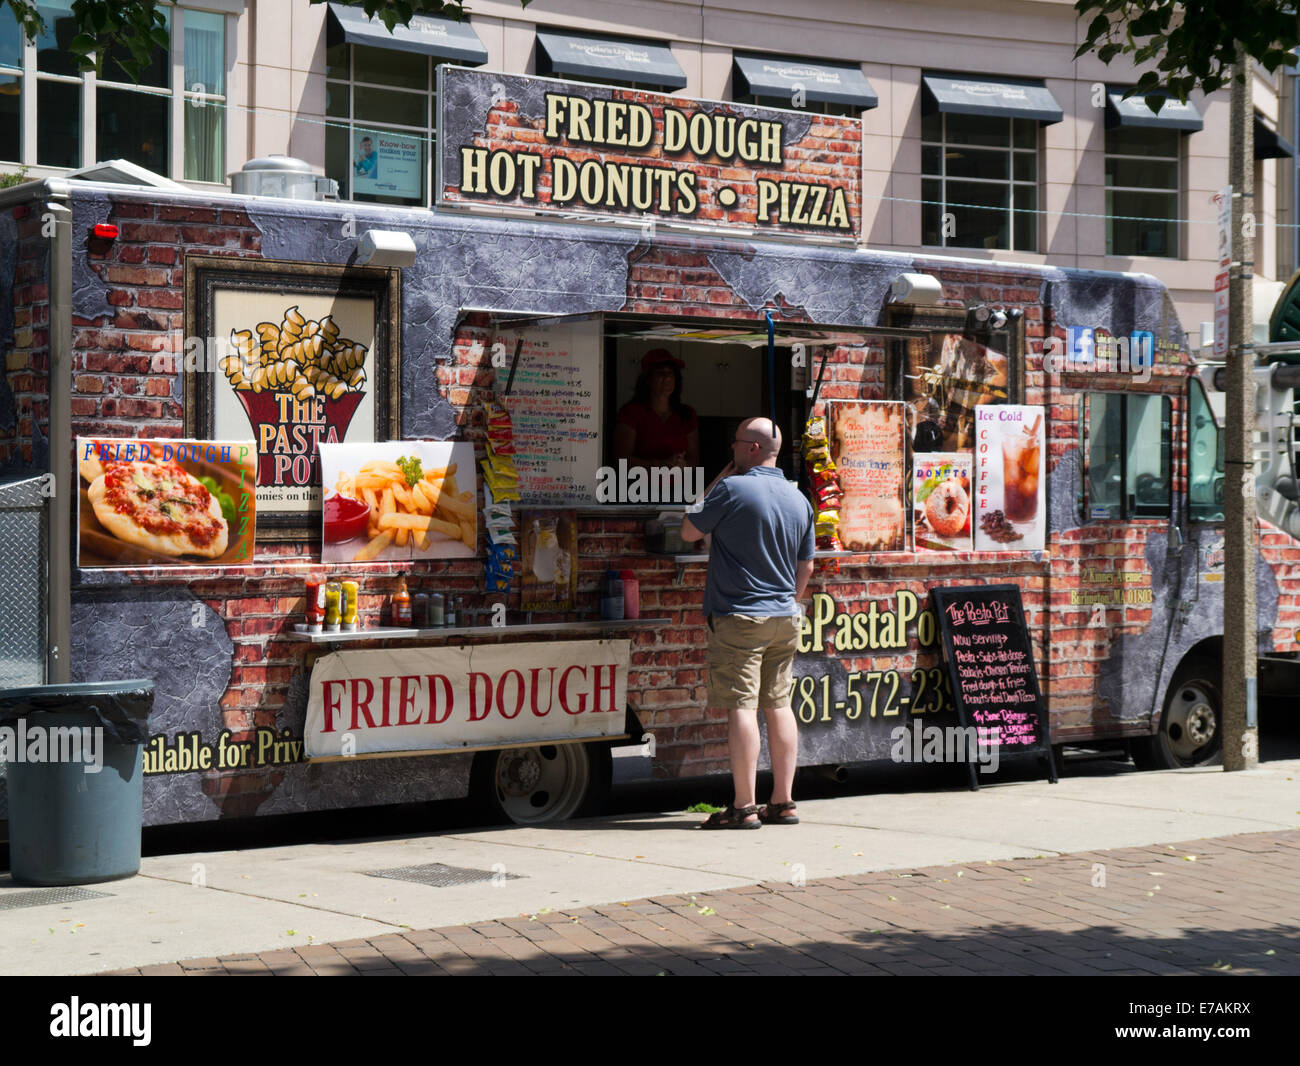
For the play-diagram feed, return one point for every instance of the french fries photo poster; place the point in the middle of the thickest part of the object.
(397, 500)
(299, 371)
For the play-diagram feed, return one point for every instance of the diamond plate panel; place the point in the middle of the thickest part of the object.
(41, 897)
(439, 875)
(22, 583)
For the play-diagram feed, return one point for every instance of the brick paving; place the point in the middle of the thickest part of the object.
(1229, 905)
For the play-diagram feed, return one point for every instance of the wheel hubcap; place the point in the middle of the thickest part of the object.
(1191, 722)
(542, 784)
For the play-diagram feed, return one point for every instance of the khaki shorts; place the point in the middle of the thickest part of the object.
(751, 660)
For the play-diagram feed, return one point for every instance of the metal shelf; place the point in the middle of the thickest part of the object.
(397, 633)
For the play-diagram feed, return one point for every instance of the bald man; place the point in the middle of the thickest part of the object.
(759, 566)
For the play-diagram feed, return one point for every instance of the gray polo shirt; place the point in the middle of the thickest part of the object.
(762, 527)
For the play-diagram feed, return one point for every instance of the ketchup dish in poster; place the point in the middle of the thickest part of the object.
(398, 500)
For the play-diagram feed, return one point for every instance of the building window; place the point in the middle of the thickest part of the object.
(381, 110)
(979, 182)
(816, 107)
(1142, 191)
(132, 119)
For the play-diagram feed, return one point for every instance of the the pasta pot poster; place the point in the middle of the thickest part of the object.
(412, 499)
(1010, 478)
(165, 502)
(868, 447)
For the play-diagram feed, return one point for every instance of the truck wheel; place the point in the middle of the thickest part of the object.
(1191, 727)
(548, 783)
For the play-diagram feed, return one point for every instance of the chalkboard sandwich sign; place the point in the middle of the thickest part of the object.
(994, 680)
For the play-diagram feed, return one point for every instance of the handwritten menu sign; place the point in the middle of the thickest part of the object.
(554, 403)
(991, 665)
(867, 444)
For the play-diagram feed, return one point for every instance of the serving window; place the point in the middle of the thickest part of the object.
(1127, 449)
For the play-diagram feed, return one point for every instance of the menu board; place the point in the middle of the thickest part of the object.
(868, 438)
(554, 408)
(991, 666)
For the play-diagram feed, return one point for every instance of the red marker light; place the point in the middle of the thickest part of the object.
(106, 230)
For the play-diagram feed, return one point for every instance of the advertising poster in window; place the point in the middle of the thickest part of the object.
(550, 560)
(385, 163)
(295, 355)
(165, 502)
(1010, 490)
(941, 500)
(414, 499)
(946, 378)
(868, 445)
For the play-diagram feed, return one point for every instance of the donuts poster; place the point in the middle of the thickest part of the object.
(1010, 487)
(868, 441)
(941, 500)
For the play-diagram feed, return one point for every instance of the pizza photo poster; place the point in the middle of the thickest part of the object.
(404, 499)
(868, 445)
(1010, 482)
(946, 378)
(941, 500)
(165, 502)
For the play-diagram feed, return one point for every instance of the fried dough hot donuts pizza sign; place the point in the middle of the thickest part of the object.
(165, 502)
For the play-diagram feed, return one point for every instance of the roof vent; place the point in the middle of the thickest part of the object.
(123, 172)
(283, 176)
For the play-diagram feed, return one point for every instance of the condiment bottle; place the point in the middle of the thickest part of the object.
(333, 605)
(631, 594)
(611, 597)
(348, 607)
(451, 614)
(401, 605)
(316, 604)
(436, 617)
(420, 610)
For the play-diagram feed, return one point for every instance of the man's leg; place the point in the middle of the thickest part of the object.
(743, 740)
(783, 748)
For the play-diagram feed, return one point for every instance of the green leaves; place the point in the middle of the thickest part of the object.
(1193, 45)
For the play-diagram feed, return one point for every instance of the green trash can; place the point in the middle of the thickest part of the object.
(75, 769)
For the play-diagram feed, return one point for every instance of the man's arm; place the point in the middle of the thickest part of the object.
(689, 530)
(803, 572)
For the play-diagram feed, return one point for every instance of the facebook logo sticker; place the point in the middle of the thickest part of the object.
(1080, 344)
(1142, 349)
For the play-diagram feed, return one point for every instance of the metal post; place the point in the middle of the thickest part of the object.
(59, 587)
(1240, 626)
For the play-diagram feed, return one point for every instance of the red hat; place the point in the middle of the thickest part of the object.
(659, 355)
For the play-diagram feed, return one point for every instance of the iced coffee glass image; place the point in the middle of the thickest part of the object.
(1020, 477)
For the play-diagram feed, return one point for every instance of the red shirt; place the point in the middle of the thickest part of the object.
(658, 439)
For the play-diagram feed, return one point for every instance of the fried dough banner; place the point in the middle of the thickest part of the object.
(165, 502)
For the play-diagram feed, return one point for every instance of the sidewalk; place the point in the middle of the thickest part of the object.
(1201, 872)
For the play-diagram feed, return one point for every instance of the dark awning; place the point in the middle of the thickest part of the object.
(1270, 145)
(1173, 115)
(995, 97)
(426, 35)
(822, 82)
(611, 60)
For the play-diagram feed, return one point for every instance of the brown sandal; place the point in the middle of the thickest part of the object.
(775, 814)
(734, 818)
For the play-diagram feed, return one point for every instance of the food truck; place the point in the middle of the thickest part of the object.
(342, 478)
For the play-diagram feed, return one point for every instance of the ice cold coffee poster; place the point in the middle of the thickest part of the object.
(1010, 478)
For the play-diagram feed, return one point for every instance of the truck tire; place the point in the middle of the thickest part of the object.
(1191, 726)
(546, 783)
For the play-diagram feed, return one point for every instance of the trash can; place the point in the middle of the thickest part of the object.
(75, 767)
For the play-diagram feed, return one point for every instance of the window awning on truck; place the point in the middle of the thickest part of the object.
(825, 83)
(990, 97)
(603, 58)
(1173, 114)
(425, 35)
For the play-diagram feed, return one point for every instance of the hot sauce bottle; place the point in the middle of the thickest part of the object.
(402, 605)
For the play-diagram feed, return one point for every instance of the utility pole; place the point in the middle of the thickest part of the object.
(1240, 625)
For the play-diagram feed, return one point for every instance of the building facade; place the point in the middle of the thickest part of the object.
(982, 135)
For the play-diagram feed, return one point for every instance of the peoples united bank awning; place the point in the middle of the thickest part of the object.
(603, 58)
(990, 97)
(1173, 113)
(426, 35)
(827, 83)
